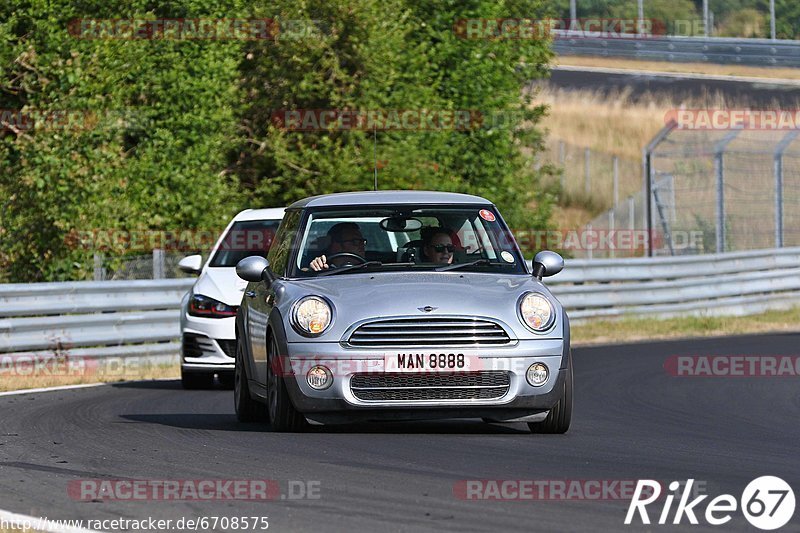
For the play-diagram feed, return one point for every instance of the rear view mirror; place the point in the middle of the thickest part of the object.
(400, 224)
(254, 268)
(547, 263)
(191, 264)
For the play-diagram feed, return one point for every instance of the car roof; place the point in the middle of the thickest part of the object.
(388, 197)
(274, 213)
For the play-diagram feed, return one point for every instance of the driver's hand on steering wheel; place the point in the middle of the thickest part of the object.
(319, 263)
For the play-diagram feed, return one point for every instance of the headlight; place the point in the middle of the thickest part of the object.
(536, 312)
(311, 316)
(204, 306)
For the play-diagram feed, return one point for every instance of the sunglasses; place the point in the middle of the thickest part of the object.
(355, 242)
(441, 248)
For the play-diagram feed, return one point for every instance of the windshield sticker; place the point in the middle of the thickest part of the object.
(507, 257)
(487, 215)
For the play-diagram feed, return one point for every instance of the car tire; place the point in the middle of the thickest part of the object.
(226, 380)
(282, 414)
(560, 416)
(196, 380)
(247, 409)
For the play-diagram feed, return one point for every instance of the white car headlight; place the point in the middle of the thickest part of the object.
(311, 315)
(536, 312)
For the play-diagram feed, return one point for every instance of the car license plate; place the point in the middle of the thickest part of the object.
(428, 362)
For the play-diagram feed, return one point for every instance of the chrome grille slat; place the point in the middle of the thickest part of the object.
(407, 332)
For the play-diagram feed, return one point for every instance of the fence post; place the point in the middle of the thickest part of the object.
(647, 178)
(586, 176)
(158, 263)
(719, 173)
(777, 167)
(99, 271)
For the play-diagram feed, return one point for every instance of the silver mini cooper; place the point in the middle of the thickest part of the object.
(400, 305)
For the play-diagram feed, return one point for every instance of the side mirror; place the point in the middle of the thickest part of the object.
(191, 264)
(547, 263)
(254, 268)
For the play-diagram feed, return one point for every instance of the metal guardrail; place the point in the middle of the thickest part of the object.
(758, 52)
(141, 318)
(92, 318)
(735, 283)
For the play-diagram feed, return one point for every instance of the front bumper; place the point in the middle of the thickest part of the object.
(339, 403)
(208, 344)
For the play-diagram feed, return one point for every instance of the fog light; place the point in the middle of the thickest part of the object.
(537, 374)
(319, 378)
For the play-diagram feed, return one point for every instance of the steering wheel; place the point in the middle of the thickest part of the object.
(348, 255)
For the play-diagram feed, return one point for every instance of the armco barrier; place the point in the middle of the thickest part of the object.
(141, 318)
(735, 283)
(758, 52)
(92, 318)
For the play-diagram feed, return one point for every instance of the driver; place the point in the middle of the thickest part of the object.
(344, 237)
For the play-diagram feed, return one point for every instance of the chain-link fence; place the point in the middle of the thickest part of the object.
(727, 190)
(159, 264)
(594, 179)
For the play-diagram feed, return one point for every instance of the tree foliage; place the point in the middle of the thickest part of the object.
(180, 132)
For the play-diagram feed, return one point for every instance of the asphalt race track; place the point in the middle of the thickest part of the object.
(632, 421)
(640, 84)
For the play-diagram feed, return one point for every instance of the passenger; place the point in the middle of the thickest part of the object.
(437, 246)
(344, 237)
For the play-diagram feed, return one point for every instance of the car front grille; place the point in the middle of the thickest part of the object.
(429, 332)
(393, 387)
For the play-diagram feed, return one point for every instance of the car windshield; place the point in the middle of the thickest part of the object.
(243, 239)
(393, 238)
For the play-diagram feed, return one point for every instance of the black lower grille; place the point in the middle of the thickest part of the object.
(228, 346)
(430, 386)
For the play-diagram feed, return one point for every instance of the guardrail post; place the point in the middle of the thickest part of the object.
(777, 168)
(158, 263)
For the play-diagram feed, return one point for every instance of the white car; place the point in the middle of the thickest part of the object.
(208, 311)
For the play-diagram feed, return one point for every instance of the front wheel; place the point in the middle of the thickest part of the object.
(560, 416)
(282, 414)
(247, 409)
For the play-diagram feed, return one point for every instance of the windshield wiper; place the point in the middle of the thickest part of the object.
(348, 268)
(477, 262)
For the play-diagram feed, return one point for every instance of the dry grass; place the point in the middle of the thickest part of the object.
(641, 329)
(612, 124)
(691, 68)
(19, 379)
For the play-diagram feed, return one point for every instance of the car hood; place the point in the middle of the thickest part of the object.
(359, 297)
(221, 283)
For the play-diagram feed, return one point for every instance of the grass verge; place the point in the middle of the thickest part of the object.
(19, 377)
(644, 329)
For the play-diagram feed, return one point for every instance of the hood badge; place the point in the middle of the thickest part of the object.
(427, 309)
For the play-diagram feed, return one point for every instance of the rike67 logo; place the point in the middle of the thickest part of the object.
(767, 503)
